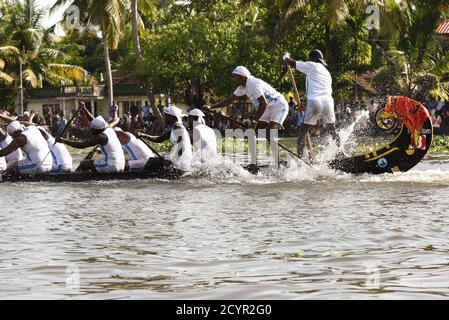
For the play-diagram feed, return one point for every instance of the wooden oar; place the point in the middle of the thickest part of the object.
(246, 127)
(89, 156)
(152, 149)
(298, 100)
(58, 136)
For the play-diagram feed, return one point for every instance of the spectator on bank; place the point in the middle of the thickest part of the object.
(48, 118)
(298, 118)
(440, 104)
(160, 106)
(38, 119)
(62, 123)
(113, 111)
(26, 116)
(84, 120)
(124, 122)
(146, 111)
(444, 127)
(134, 110)
(292, 104)
(436, 122)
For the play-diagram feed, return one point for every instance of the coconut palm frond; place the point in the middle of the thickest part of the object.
(8, 51)
(30, 77)
(6, 78)
(53, 54)
(294, 7)
(57, 80)
(337, 11)
(68, 71)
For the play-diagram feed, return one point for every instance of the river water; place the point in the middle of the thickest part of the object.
(303, 234)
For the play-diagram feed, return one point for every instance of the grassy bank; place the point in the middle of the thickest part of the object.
(440, 145)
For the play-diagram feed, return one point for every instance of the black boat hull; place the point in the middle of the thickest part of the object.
(397, 156)
(161, 173)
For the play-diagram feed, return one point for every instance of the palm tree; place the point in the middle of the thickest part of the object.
(24, 41)
(7, 53)
(137, 26)
(107, 15)
(336, 12)
(413, 49)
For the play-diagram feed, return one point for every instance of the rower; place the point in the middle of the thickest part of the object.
(181, 153)
(272, 107)
(135, 148)
(104, 137)
(5, 140)
(203, 137)
(62, 160)
(3, 165)
(33, 144)
(320, 104)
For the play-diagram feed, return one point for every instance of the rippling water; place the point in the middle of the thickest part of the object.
(306, 234)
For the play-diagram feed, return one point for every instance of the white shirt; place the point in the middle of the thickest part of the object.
(2, 163)
(318, 81)
(36, 149)
(436, 121)
(14, 156)
(137, 149)
(183, 161)
(205, 142)
(112, 151)
(61, 156)
(256, 88)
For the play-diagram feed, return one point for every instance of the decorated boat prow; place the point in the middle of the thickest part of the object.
(405, 151)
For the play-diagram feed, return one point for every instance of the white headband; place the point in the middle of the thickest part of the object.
(198, 113)
(174, 111)
(99, 123)
(13, 127)
(242, 71)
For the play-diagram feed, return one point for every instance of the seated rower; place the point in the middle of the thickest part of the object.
(62, 160)
(2, 163)
(203, 137)
(5, 140)
(106, 139)
(135, 148)
(181, 153)
(38, 158)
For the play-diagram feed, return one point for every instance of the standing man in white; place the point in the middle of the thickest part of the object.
(320, 104)
(271, 106)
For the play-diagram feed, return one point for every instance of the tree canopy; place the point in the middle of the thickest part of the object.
(189, 48)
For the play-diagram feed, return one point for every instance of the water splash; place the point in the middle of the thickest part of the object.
(347, 141)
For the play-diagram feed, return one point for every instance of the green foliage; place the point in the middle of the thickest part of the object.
(24, 40)
(191, 47)
(440, 144)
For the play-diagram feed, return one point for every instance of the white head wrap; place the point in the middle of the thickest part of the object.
(99, 123)
(13, 127)
(174, 111)
(242, 71)
(198, 113)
